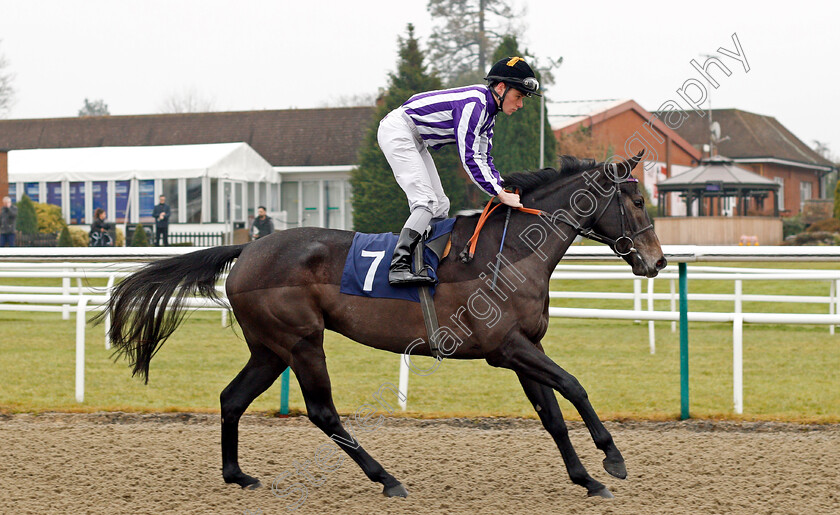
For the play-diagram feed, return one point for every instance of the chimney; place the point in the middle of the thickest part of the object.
(4, 173)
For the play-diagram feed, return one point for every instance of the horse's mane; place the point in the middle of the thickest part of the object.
(529, 181)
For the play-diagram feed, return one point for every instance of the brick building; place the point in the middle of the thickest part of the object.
(622, 128)
(761, 144)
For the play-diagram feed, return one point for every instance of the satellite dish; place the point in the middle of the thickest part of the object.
(715, 130)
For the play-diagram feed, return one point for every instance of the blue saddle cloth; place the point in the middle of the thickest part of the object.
(366, 268)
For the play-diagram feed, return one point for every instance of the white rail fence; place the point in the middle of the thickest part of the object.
(80, 299)
(114, 263)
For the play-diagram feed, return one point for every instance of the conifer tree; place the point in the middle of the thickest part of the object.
(379, 205)
(139, 239)
(64, 239)
(516, 138)
(27, 219)
(837, 200)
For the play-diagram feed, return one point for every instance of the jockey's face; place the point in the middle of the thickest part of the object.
(513, 99)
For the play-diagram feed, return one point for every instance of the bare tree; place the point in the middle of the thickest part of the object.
(7, 92)
(355, 100)
(187, 101)
(96, 107)
(467, 33)
(822, 148)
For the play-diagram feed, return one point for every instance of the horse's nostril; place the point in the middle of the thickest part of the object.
(662, 263)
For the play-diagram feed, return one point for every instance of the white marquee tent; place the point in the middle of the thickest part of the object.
(220, 182)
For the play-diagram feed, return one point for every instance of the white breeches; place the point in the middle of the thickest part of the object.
(412, 164)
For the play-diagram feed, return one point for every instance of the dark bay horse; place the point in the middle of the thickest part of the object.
(284, 292)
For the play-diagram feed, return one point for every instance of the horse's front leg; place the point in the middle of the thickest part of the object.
(527, 360)
(545, 403)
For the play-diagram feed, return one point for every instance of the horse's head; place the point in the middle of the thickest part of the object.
(623, 222)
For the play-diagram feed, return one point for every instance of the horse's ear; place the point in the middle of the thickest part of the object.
(633, 161)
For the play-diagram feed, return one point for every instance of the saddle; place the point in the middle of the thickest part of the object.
(366, 270)
(366, 267)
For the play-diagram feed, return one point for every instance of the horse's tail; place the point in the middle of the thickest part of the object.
(142, 308)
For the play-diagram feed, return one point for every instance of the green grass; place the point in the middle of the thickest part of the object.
(790, 372)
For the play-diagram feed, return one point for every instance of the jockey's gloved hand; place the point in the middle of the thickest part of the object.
(510, 199)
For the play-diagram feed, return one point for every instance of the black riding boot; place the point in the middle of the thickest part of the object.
(400, 272)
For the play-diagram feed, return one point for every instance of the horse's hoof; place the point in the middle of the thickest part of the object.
(397, 490)
(601, 492)
(252, 486)
(245, 481)
(615, 468)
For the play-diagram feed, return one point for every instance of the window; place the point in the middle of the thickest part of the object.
(781, 194)
(120, 200)
(290, 203)
(311, 198)
(169, 189)
(32, 190)
(332, 199)
(348, 206)
(53, 193)
(194, 200)
(99, 192)
(263, 196)
(804, 193)
(13, 192)
(252, 198)
(274, 196)
(147, 200)
(77, 203)
(238, 213)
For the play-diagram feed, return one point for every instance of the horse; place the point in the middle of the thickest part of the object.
(284, 291)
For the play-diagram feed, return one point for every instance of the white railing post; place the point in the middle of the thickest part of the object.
(65, 290)
(224, 317)
(737, 350)
(402, 399)
(738, 363)
(651, 333)
(81, 320)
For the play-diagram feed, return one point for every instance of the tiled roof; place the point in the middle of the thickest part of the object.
(750, 136)
(294, 137)
(587, 113)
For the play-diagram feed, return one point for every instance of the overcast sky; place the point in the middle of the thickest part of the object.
(277, 54)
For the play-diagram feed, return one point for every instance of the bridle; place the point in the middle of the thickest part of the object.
(627, 235)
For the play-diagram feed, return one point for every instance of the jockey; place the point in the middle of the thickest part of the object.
(463, 116)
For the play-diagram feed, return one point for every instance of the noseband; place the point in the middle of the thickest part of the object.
(627, 234)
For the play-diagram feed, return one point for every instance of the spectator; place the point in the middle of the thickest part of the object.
(99, 236)
(161, 215)
(262, 225)
(8, 217)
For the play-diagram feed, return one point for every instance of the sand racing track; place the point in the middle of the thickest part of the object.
(170, 463)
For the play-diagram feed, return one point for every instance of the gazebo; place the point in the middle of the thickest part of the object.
(715, 179)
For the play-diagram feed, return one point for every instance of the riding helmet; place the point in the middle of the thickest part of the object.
(514, 72)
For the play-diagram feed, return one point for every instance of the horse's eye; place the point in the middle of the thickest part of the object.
(639, 203)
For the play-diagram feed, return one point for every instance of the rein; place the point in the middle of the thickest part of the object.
(469, 251)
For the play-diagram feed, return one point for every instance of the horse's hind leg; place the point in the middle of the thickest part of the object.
(310, 367)
(259, 373)
(545, 403)
(527, 359)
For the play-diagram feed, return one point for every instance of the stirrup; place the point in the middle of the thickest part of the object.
(405, 277)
